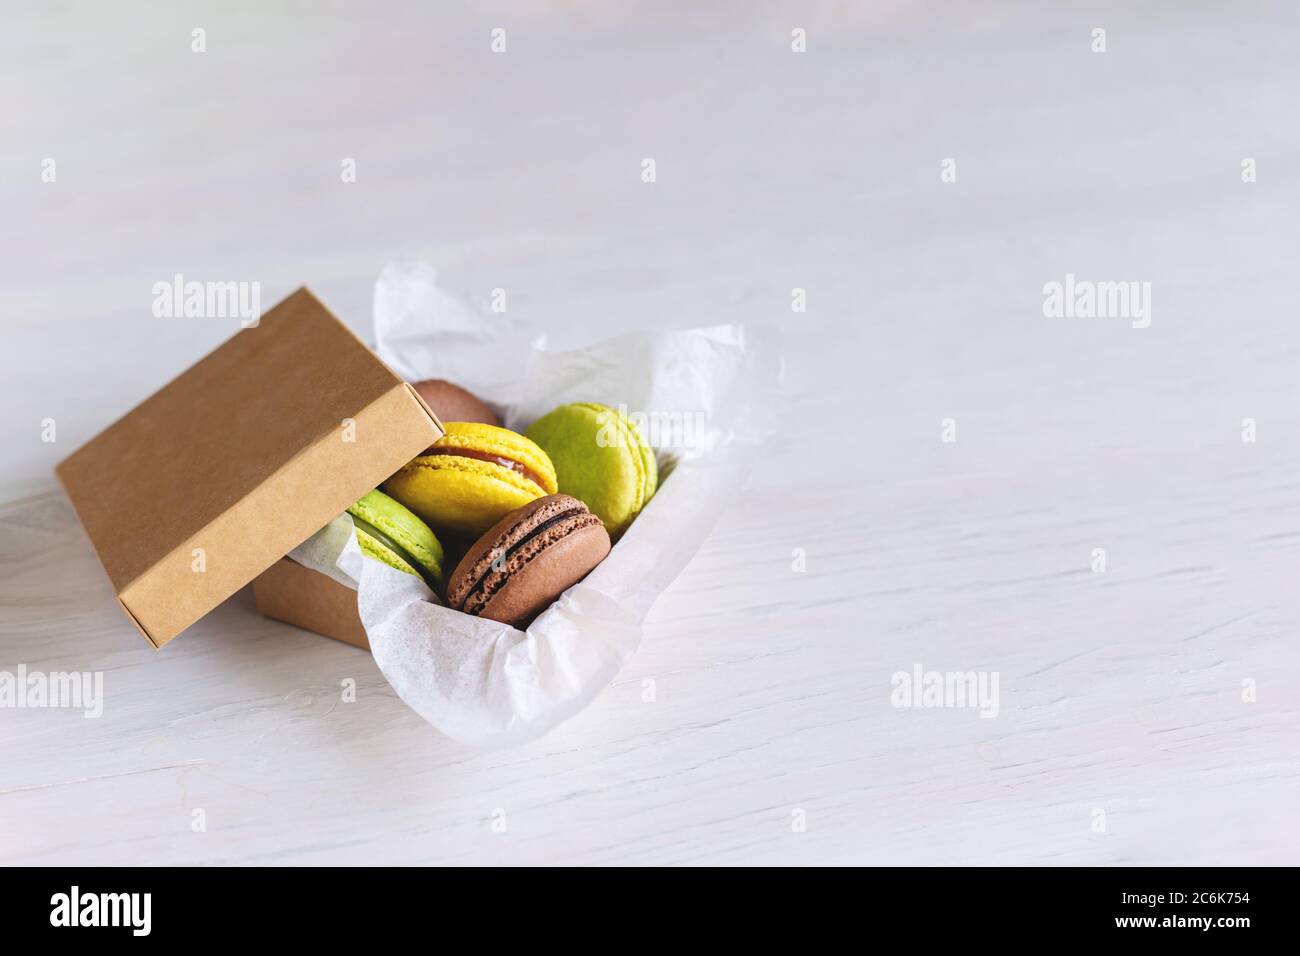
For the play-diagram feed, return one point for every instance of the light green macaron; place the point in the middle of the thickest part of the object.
(390, 532)
(601, 458)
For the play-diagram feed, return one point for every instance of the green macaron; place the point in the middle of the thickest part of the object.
(601, 458)
(389, 532)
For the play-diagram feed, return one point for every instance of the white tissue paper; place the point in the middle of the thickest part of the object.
(697, 395)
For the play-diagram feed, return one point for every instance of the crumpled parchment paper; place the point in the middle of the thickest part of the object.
(700, 393)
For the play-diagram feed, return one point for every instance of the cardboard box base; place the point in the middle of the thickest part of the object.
(289, 592)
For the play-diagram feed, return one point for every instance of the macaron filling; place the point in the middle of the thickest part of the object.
(366, 527)
(501, 558)
(630, 440)
(515, 466)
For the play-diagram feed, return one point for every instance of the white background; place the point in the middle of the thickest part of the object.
(1121, 691)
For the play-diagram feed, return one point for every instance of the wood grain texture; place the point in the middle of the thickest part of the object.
(760, 690)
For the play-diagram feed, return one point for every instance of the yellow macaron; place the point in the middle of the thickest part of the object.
(473, 476)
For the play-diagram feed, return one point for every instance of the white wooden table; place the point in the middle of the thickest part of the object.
(1148, 712)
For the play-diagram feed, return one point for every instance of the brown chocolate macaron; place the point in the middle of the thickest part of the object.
(451, 403)
(528, 559)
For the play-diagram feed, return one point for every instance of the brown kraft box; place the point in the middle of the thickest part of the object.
(210, 481)
(289, 592)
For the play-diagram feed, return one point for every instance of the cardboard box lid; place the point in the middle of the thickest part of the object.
(211, 480)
